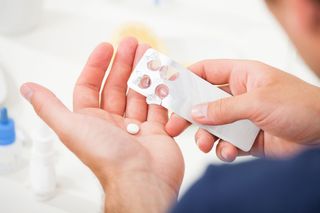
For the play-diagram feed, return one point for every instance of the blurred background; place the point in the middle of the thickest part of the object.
(48, 42)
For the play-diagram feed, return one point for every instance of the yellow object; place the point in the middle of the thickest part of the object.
(143, 33)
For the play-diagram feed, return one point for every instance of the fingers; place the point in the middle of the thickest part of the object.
(215, 71)
(142, 48)
(87, 89)
(157, 114)
(176, 125)
(257, 149)
(224, 111)
(48, 107)
(219, 71)
(137, 107)
(226, 151)
(205, 140)
(240, 75)
(113, 97)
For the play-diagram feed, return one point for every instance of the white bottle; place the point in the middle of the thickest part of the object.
(42, 171)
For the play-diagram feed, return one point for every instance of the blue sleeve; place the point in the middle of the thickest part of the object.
(264, 186)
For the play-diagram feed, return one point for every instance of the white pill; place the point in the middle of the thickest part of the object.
(133, 128)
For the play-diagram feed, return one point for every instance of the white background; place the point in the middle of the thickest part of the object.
(54, 52)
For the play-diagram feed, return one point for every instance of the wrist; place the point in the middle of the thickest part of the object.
(138, 192)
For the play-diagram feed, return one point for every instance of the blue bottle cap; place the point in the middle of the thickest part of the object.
(7, 128)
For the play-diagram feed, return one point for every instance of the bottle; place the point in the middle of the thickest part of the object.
(42, 170)
(9, 147)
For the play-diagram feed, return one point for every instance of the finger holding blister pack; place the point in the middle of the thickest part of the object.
(164, 82)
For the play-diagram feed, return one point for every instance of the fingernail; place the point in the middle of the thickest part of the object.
(197, 141)
(26, 92)
(225, 154)
(200, 111)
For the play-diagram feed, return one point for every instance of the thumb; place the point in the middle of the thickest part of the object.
(223, 111)
(49, 108)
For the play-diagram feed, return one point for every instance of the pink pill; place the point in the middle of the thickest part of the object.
(168, 73)
(162, 91)
(174, 77)
(163, 72)
(154, 65)
(145, 82)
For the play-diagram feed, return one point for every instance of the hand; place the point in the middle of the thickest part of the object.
(140, 173)
(286, 108)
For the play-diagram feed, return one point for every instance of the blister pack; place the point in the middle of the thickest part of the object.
(164, 82)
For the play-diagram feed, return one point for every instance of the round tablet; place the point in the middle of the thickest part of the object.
(154, 65)
(162, 91)
(145, 82)
(168, 73)
(133, 128)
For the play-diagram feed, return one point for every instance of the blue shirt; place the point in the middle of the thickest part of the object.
(260, 186)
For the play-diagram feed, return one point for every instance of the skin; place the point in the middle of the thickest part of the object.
(266, 96)
(96, 132)
(300, 19)
(143, 172)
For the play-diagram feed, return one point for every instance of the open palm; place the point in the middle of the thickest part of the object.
(96, 130)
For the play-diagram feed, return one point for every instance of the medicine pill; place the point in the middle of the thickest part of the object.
(162, 91)
(133, 128)
(145, 82)
(154, 65)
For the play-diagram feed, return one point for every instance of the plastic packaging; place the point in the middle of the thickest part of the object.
(178, 90)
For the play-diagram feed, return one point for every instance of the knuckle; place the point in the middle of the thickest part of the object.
(258, 100)
(217, 110)
(40, 108)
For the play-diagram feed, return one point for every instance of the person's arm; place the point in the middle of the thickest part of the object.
(286, 108)
(264, 186)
